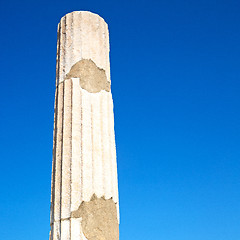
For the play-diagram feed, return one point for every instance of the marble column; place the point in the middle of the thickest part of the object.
(84, 191)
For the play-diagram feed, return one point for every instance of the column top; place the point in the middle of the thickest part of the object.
(82, 35)
(84, 13)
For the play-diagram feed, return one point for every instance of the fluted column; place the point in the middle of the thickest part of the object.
(84, 195)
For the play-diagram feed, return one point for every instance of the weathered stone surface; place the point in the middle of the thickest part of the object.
(98, 218)
(84, 153)
(92, 78)
(82, 35)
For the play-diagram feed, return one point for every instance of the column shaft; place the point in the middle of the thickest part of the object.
(84, 195)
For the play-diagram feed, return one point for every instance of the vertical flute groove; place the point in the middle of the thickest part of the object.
(61, 156)
(110, 145)
(63, 35)
(101, 110)
(71, 161)
(81, 149)
(93, 149)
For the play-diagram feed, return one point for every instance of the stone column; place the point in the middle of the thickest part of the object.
(84, 195)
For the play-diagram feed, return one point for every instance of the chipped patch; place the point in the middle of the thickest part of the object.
(92, 78)
(99, 219)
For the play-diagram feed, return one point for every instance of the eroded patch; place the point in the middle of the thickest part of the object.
(92, 78)
(99, 219)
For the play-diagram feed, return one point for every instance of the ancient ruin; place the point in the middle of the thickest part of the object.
(84, 195)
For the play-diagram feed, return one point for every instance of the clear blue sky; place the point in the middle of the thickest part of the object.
(175, 68)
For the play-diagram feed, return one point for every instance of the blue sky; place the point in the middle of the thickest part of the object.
(175, 69)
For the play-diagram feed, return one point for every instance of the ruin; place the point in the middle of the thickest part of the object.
(84, 191)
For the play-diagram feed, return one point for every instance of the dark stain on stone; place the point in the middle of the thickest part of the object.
(92, 78)
(99, 219)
